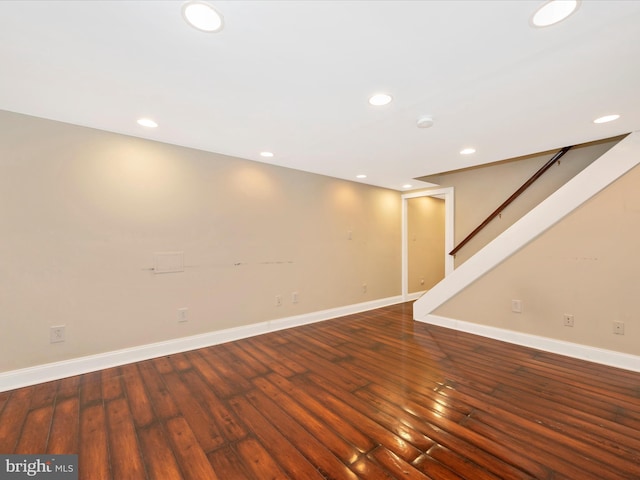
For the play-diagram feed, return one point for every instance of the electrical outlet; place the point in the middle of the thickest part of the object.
(57, 334)
(618, 328)
(364, 288)
(568, 320)
(278, 300)
(294, 297)
(183, 315)
(516, 306)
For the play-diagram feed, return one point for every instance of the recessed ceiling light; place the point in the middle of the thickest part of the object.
(202, 16)
(147, 122)
(362, 175)
(380, 99)
(467, 151)
(407, 185)
(554, 11)
(607, 118)
(266, 154)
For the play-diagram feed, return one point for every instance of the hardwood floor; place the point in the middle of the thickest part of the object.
(372, 395)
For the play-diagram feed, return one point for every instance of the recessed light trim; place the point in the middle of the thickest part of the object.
(147, 122)
(266, 154)
(362, 175)
(554, 11)
(407, 185)
(607, 118)
(467, 151)
(380, 99)
(202, 16)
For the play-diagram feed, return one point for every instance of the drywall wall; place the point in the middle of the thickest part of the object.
(425, 242)
(482, 189)
(83, 211)
(586, 266)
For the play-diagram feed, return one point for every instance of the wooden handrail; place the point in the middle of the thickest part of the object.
(515, 195)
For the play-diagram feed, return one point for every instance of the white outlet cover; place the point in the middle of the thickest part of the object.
(516, 306)
(57, 334)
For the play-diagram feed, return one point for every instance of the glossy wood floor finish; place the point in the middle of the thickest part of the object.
(373, 395)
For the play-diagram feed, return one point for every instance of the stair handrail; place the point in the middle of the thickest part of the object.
(508, 201)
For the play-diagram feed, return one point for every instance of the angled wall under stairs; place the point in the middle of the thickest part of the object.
(585, 255)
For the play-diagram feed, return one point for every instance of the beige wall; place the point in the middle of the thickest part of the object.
(425, 236)
(480, 190)
(83, 211)
(587, 265)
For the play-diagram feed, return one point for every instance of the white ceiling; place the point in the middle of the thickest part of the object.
(293, 77)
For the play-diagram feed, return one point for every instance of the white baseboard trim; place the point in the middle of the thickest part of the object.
(67, 368)
(414, 296)
(575, 350)
(605, 170)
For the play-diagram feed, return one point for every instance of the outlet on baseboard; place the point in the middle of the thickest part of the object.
(183, 315)
(567, 320)
(278, 300)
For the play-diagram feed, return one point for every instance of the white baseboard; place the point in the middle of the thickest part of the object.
(76, 366)
(605, 170)
(575, 350)
(414, 296)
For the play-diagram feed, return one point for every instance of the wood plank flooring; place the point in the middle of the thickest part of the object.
(373, 395)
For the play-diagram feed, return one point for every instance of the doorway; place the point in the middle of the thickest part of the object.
(425, 257)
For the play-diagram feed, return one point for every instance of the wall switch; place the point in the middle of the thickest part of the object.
(57, 334)
(278, 300)
(516, 306)
(618, 328)
(183, 314)
(294, 297)
(567, 320)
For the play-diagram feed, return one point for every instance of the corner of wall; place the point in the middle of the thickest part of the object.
(605, 170)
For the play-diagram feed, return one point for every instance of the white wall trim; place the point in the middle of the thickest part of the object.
(76, 366)
(574, 350)
(595, 177)
(447, 193)
(409, 297)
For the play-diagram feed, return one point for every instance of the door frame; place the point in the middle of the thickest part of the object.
(445, 193)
